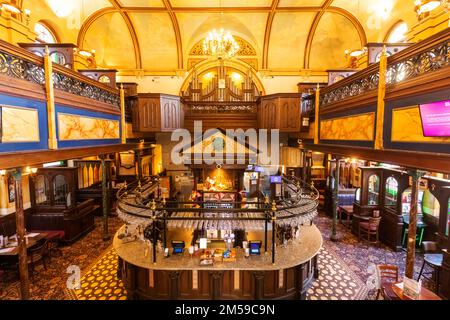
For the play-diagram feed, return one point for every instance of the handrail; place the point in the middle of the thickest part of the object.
(19, 63)
(420, 58)
(301, 205)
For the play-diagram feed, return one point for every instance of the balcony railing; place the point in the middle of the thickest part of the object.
(429, 55)
(230, 107)
(18, 63)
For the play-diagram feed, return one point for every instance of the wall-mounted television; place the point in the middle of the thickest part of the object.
(275, 179)
(435, 119)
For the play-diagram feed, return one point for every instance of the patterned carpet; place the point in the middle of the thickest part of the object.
(50, 284)
(346, 268)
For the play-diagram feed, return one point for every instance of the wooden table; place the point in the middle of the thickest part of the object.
(425, 294)
(348, 210)
(31, 242)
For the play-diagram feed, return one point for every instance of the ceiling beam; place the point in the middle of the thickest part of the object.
(176, 29)
(265, 56)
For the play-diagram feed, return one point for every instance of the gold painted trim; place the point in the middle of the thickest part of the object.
(268, 31)
(35, 111)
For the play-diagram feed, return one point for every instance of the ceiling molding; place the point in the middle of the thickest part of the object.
(267, 33)
(176, 29)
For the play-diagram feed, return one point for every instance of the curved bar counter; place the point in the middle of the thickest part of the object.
(181, 277)
(285, 269)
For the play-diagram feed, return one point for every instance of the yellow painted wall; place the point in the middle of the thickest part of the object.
(5, 206)
(359, 127)
(407, 127)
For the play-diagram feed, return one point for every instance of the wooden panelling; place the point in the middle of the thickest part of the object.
(280, 111)
(156, 113)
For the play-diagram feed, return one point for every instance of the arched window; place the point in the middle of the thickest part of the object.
(374, 190)
(397, 33)
(44, 33)
(430, 205)
(390, 198)
(406, 201)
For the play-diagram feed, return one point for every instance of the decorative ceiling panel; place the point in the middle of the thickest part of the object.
(157, 40)
(141, 3)
(287, 52)
(217, 3)
(333, 36)
(110, 38)
(302, 3)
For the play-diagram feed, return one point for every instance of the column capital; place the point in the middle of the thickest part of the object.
(416, 174)
(17, 174)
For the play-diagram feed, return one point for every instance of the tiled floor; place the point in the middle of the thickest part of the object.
(346, 268)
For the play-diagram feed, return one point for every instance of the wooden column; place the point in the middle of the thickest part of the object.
(105, 195)
(123, 124)
(139, 163)
(379, 126)
(51, 118)
(21, 241)
(334, 236)
(317, 121)
(259, 284)
(412, 228)
(304, 162)
(274, 229)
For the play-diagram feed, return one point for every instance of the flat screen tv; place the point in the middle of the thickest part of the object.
(275, 179)
(436, 119)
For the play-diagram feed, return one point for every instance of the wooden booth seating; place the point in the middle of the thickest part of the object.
(66, 223)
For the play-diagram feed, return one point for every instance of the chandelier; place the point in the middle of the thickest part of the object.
(220, 44)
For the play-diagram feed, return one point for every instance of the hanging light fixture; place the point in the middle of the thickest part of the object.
(8, 6)
(424, 7)
(220, 43)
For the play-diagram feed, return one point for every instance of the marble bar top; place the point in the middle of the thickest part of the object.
(295, 253)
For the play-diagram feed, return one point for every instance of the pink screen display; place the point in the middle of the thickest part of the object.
(436, 119)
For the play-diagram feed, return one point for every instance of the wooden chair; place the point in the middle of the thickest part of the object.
(370, 228)
(387, 275)
(430, 247)
(38, 253)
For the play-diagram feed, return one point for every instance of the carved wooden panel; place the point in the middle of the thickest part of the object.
(280, 111)
(170, 113)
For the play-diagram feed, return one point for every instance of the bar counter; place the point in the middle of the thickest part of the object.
(181, 276)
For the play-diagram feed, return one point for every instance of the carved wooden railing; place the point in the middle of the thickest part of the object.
(427, 56)
(230, 107)
(18, 63)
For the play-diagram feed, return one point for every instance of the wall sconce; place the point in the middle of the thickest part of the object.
(424, 7)
(2, 173)
(86, 54)
(31, 170)
(305, 121)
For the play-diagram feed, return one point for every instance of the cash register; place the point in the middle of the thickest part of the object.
(255, 247)
(178, 246)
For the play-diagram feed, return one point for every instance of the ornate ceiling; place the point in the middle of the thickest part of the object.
(286, 35)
